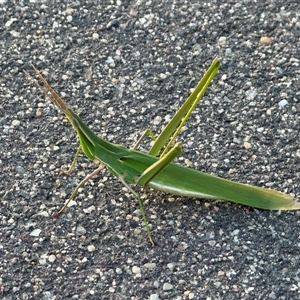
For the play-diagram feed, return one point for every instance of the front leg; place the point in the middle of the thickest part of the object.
(146, 133)
(87, 178)
(72, 164)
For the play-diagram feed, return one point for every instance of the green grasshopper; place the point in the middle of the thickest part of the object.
(160, 173)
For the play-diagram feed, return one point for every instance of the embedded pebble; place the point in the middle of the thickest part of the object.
(150, 266)
(189, 294)
(20, 169)
(52, 258)
(163, 76)
(43, 259)
(282, 103)
(119, 271)
(15, 33)
(95, 36)
(11, 221)
(91, 248)
(212, 243)
(228, 52)
(247, 145)
(72, 203)
(89, 209)
(265, 40)
(48, 295)
(80, 230)
(167, 286)
(186, 293)
(154, 297)
(157, 120)
(35, 232)
(69, 11)
(136, 270)
(171, 266)
(15, 123)
(235, 232)
(222, 40)
(43, 214)
(9, 22)
(38, 113)
(251, 94)
(29, 224)
(109, 60)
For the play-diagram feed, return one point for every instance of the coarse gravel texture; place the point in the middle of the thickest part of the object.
(125, 66)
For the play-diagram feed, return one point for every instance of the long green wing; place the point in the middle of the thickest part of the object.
(179, 180)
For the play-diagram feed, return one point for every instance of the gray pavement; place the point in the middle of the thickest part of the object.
(125, 66)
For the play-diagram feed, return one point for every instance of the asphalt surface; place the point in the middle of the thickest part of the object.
(125, 66)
